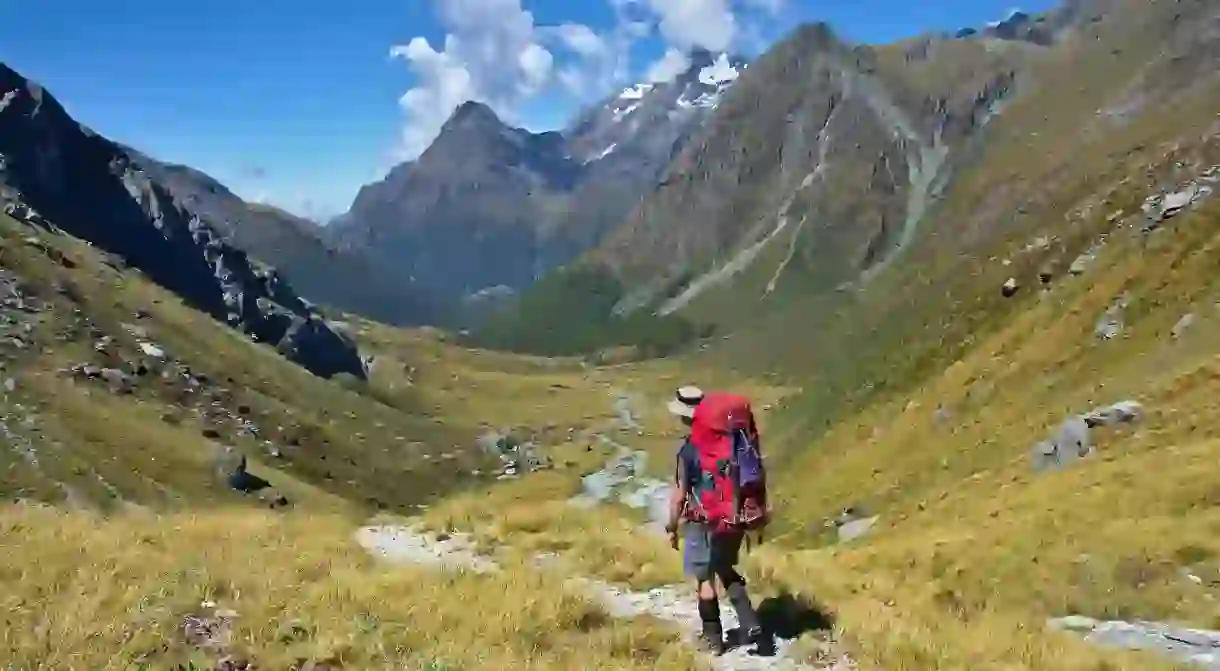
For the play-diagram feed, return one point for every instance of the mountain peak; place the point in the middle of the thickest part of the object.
(818, 33)
(473, 112)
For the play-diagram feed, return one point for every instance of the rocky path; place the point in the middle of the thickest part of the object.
(675, 603)
(1197, 647)
(619, 480)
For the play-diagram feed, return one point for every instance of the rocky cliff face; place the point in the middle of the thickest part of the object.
(96, 190)
(347, 280)
(825, 181)
(628, 140)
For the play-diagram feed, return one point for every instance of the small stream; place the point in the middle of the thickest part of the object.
(622, 479)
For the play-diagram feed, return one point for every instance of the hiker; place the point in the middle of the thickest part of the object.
(712, 541)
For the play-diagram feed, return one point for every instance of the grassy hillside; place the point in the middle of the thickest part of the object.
(153, 430)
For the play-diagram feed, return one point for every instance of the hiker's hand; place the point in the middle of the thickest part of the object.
(673, 539)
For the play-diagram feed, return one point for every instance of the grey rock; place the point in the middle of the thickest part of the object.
(1175, 202)
(942, 415)
(1161, 207)
(1069, 443)
(856, 528)
(1183, 325)
(1073, 623)
(1123, 412)
(1197, 647)
(120, 382)
(1110, 325)
(1108, 328)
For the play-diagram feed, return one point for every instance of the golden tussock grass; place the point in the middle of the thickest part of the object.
(974, 550)
(90, 593)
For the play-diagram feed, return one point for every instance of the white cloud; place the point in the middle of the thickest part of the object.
(492, 53)
(715, 25)
(669, 66)
(602, 61)
(596, 58)
(696, 23)
(581, 39)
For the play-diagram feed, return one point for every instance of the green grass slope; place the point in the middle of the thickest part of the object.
(85, 437)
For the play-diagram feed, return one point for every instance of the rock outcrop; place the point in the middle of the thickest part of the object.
(94, 189)
(347, 280)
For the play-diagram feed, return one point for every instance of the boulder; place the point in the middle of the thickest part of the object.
(1069, 443)
(1082, 262)
(120, 382)
(1123, 412)
(1110, 325)
(1010, 287)
(1182, 326)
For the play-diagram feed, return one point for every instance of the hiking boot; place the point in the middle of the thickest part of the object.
(711, 641)
(712, 636)
(764, 643)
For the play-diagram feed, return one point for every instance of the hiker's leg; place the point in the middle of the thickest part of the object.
(724, 554)
(698, 563)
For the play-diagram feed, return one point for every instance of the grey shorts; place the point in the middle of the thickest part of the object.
(705, 554)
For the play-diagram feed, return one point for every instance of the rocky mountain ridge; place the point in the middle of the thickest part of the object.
(56, 170)
(345, 280)
(489, 207)
(827, 181)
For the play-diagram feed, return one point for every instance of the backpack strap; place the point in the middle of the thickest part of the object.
(683, 479)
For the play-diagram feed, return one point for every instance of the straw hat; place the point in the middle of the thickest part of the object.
(684, 401)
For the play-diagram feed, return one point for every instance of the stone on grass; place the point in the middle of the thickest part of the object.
(1123, 412)
(1183, 325)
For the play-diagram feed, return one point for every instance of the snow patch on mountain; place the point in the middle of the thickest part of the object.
(1012, 13)
(635, 92)
(653, 119)
(721, 71)
(620, 114)
(605, 152)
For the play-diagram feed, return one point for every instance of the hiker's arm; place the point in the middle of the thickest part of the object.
(677, 495)
(675, 507)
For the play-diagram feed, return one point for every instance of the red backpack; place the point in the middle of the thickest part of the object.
(730, 494)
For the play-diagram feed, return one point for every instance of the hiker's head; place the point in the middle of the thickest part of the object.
(683, 403)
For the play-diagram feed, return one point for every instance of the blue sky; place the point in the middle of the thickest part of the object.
(299, 102)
